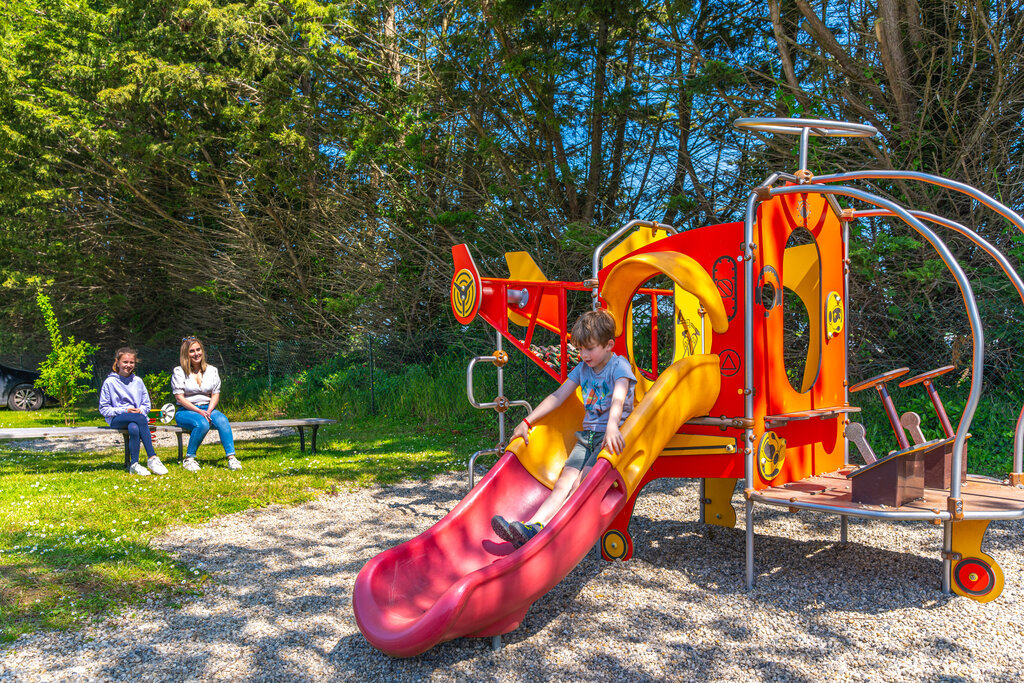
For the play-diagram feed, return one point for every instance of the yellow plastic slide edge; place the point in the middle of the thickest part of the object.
(551, 439)
(626, 277)
(686, 389)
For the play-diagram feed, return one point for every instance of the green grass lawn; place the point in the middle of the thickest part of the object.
(75, 528)
(84, 416)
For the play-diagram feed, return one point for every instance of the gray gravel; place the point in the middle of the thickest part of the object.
(279, 605)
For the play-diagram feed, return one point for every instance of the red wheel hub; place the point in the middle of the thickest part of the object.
(974, 576)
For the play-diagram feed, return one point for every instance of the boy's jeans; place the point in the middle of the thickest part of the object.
(200, 427)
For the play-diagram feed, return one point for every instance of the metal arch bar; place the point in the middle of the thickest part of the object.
(596, 262)
(965, 290)
(817, 127)
(1000, 208)
(1011, 273)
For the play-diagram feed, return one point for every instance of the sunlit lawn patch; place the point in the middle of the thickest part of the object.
(75, 528)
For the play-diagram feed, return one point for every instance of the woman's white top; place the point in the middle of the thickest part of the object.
(199, 393)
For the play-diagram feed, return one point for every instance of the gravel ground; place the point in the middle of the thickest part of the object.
(278, 607)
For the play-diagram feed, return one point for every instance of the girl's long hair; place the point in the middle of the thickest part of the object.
(185, 361)
(128, 351)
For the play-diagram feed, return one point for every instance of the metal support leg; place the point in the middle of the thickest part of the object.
(312, 441)
(947, 548)
(127, 454)
(181, 451)
(750, 544)
(302, 439)
(844, 529)
(495, 643)
(701, 502)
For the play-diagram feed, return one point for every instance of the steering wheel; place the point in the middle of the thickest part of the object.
(879, 379)
(817, 127)
(916, 379)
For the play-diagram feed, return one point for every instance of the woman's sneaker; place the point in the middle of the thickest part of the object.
(155, 466)
(138, 469)
(502, 528)
(233, 463)
(191, 465)
(521, 533)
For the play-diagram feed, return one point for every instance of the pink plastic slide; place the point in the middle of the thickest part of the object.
(459, 579)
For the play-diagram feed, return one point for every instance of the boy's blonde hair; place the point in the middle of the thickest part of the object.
(593, 328)
(185, 361)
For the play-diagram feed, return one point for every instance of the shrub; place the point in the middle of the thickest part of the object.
(62, 372)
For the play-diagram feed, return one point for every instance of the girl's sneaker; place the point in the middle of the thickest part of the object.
(155, 466)
(233, 463)
(190, 464)
(138, 469)
(521, 533)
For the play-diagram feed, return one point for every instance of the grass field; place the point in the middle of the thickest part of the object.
(75, 529)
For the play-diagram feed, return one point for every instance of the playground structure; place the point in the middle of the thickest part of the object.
(728, 407)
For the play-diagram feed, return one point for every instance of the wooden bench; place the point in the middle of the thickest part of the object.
(299, 423)
(50, 432)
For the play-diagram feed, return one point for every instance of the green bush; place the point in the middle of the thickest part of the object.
(66, 366)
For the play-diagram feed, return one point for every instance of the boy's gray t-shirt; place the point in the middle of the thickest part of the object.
(598, 388)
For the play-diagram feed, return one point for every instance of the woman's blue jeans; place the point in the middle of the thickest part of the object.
(137, 425)
(200, 427)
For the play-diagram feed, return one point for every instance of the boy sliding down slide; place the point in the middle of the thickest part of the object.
(607, 382)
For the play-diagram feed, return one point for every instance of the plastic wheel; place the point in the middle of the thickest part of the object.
(818, 127)
(916, 379)
(25, 397)
(879, 379)
(974, 576)
(616, 545)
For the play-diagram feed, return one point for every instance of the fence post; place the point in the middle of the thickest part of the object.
(373, 398)
(270, 379)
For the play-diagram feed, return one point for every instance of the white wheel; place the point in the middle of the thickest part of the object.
(821, 128)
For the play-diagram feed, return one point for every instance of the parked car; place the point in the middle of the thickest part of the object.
(17, 389)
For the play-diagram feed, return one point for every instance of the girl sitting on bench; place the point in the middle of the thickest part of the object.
(196, 386)
(124, 404)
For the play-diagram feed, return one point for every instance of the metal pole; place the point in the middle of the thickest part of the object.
(947, 548)
(373, 397)
(501, 392)
(270, 377)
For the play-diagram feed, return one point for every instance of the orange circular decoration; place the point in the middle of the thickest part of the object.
(465, 295)
(614, 545)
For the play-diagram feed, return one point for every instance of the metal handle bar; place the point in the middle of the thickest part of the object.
(653, 225)
(489, 404)
(472, 463)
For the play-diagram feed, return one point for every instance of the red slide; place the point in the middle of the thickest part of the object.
(459, 579)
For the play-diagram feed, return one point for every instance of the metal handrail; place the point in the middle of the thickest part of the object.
(472, 463)
(596, 263)
(488, 404)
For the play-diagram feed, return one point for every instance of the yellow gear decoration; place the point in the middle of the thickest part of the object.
(833, 315)
(771, 453)
(464, 296)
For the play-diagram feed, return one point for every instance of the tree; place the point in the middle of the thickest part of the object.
(64, 369)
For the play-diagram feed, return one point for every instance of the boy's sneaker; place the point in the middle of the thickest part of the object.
(233, 463)
(155, 466)
(502, 528)
(521, 533)
(138, 469)
(191, 465)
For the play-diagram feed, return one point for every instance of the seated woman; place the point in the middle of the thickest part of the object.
(196, 386)
(124, 404)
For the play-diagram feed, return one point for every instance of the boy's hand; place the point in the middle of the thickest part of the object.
(613, 440)
(521, 431)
